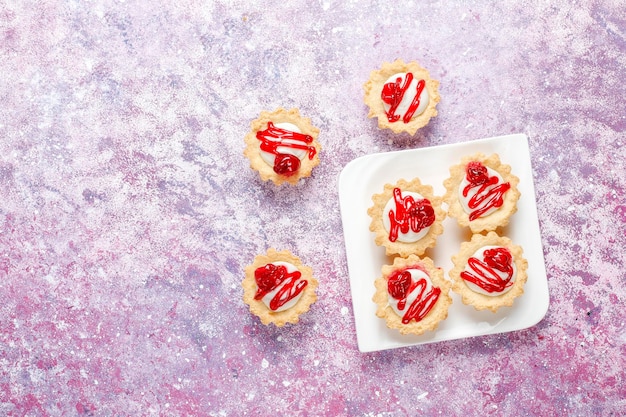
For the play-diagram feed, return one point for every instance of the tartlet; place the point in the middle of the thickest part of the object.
(406, 217)
(402, 96)
(489, 272)
(282, 146)
(412, 295)
(481, 192)
(278, 287)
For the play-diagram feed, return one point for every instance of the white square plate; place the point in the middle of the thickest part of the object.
(366, 176)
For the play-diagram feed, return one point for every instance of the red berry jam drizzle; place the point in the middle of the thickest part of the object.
(487, 194)
(484, 273)
(393, 93)
(401, 284)
(409, 214)
(274, 137)
(270, 277)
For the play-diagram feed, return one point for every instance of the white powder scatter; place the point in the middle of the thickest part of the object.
(208, 328)
(422, 395)
(553, 176)
(286, 383)
(344, 311)
(264, 363)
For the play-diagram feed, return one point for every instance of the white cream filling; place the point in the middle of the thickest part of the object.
(479, 254)
(268, 297)
(410, 236)
(408, 97)
(416, 275)
(269, 157)
(473, 191)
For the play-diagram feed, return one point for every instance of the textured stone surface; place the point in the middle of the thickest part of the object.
(127, 211)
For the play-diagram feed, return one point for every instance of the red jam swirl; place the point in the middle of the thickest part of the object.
(270, 277)
(394, 92)
(409, 214)
(487, 193)
(274, 137)
(485, 274)
(400, 285)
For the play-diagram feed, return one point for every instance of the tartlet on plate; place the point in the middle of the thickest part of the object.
(481, 192)
(406, 217)
(412, 295)
(489, 272)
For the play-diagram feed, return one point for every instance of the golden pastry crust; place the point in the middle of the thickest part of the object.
(374, 87)
(494, 220)
(252, 150)
(481, 301)
(257, 307)
(439, 310)
(376, 212)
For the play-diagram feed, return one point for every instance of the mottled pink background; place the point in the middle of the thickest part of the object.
(127, 210)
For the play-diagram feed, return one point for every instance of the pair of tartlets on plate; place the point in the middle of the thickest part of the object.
(489, 272)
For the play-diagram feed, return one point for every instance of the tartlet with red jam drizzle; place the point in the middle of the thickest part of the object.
(481, 193)
(489, 272)
(282, 146)
(278, 287)
(402, 96)
(406, 217)
(412, 295)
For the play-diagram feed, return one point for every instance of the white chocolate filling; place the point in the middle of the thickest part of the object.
(410, 236)
(479, 254)
(269, 157)
(416, 275)
(409, 95)
(473, 191)
(268, 297)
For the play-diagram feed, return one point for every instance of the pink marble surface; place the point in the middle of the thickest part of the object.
(127, 211)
